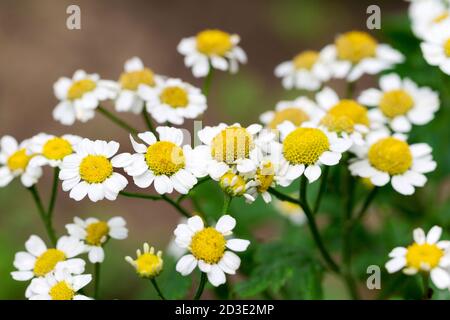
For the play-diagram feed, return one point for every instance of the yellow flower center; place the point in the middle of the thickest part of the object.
(165, 158)
(208, 245)
(441, 17)
(132, 80)
(447, 48)
(390, 155)
(79, 88)
(148, 265)
(231, 144)
(355, 46)
(344, 115)
(62, 291)
(47, 261)
(175, 97)
(57, 149)
(214, 42)
(232, 184)
(305, 146)
(294, 115)
(396, 102)
(18, 160)
(95, 169)
(265, 176)
(306, 60)
(419, 255)
(96, 233)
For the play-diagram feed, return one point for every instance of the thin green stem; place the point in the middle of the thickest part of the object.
(177, 206)
(148, 121)
(97, 279)
(322, 188)
(226, 203)
(47, 222)
(158, 290)
(54, 194)
(201, 286)
(370, 197)
(350, 89)
(208, 80)
(427, 291)
(117, 120)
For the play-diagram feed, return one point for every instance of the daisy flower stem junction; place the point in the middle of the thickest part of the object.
(158, 290)
(201, 286)
(116, 120)
(45, 218)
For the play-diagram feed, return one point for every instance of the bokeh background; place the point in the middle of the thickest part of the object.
(37, 48)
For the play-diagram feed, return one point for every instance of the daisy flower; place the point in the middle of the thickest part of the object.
(39, 260)
(134, 76)
(212, 48)
(208, 248)
(296, 111)
(95, 233)
(80, 96)
(148, 264)
(51, 150)
(356, 53)
(15, 162)
(89, 171)
(172, 100)
(400, 103)
(388, 158)
(291, 211)
(427, 14)
(237, 185)
(59, 285)
(436, 47)
(426, 254)
(305, 149)
(164, 162)
(307, 70)
(228, 147)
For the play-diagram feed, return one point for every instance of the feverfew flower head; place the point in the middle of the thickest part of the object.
(148, 264)
(388, 158)
(436, 47)
(172, 100)
(426, 254)
(80, 96)
(39, 260)
(212, 48)
(165, 162)
(90, 171)
(428, 14)
(15, 162)
(208, 248)
(95, 233)
(237, 185)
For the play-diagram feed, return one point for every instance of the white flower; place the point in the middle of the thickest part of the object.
(307, 148)
(307, 70)
(436, 47)
(51, 150)
(400, 103)
(15, 162)
(89, 171)
(426, 254)
(212, 49)
(39, 260)
(135, 76)
(80, 96)
(390, 159)
(356, 53)
(291, 211)
(166, 163)
(173, 100)
(58, 285)
(208, 248)
(427, 14)
(95, 233)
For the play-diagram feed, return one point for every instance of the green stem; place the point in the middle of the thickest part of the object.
(177, 206)
(323, 185)
(226, 203)
(45, 219)
(54, 194)
(158, 290)
(201, 286)
(117, 121)
(148, 121)
(365, 206)
(427, 291)
(350, 89)
(97, 279)
(207, 82)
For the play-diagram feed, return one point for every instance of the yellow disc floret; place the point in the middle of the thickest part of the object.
(396, 103)
(355, 46)
(47, 261)
(305, 60)
(18, 161)
(79, 88)
(57, 148)
(447, 48)
(132, 80)
(305, 146)
(265, 176)
(423, 255)
(231, 144)
(175, 97)
(62, 291)
(232, 184)
(214, 42)
(343, 116)
(294, 115)
(165, 158)
(95, 169)
(208, 245)
(96, 233)
(390, 155)
(149, 265)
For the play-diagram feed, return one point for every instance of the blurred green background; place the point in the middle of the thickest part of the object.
(36, 49)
